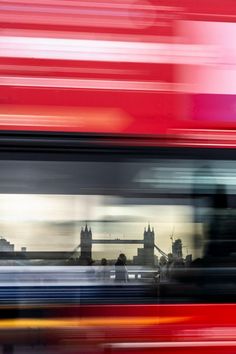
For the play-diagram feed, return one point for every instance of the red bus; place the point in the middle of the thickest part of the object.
(117, 137)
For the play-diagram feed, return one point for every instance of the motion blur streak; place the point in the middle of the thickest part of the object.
(87, 84)
(117, 14)
(91, 322)
(99, 119)
(97, 50)
(174, 344)
(169, 66)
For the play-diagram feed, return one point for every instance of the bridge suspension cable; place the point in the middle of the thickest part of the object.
(161, 252)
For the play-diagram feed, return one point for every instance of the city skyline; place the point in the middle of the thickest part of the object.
(99, 251)
(53, 222)
(145, 251)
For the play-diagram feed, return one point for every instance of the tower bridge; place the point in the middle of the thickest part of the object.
(145, 254)
(117, 241)
(83, 252)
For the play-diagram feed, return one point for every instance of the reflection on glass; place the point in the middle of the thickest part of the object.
(160, 232)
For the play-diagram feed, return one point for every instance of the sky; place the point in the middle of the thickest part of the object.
(53, 222)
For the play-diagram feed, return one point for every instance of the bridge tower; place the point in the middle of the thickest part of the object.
(148, 246)
(85, 245)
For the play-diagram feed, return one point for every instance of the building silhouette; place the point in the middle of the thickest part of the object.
(6, 246)
(146, 253)
(86, 245)
(177, 249)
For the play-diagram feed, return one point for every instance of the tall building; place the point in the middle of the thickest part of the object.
(6, 246)
(177, 249)
(85, 245)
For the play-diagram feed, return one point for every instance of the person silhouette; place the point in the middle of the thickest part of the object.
(104, 273)
(121, 273)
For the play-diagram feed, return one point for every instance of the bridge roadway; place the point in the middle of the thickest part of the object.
(117, 241)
